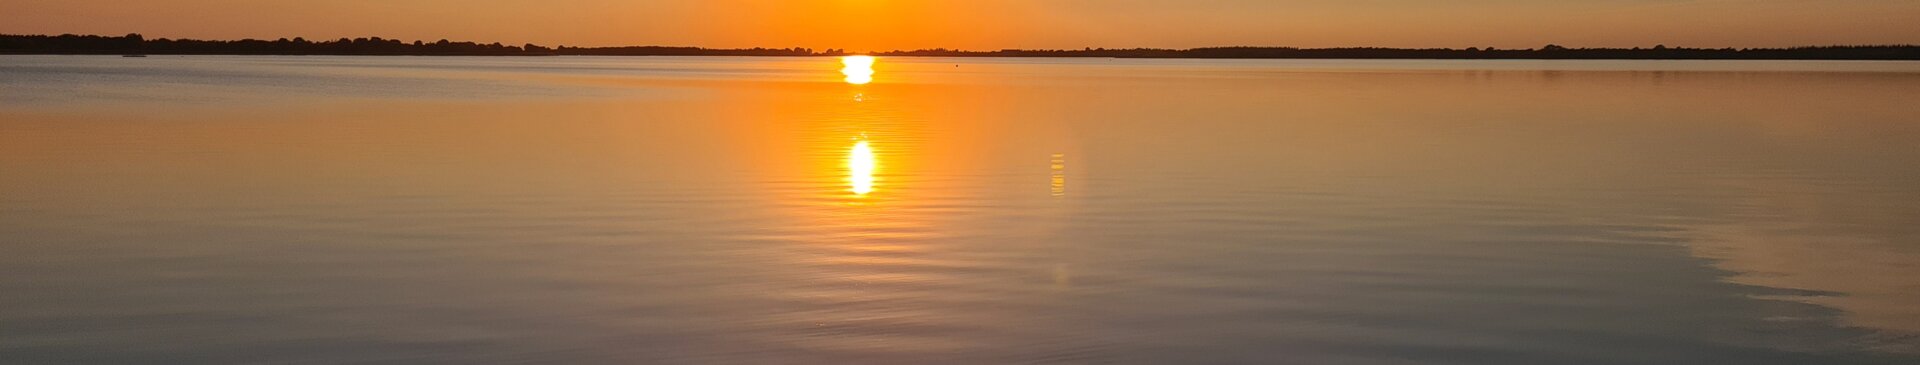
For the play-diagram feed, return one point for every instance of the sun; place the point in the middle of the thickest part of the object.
(859, 69)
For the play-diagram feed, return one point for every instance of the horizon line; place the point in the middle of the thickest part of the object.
(1084, 48)
(135, 43)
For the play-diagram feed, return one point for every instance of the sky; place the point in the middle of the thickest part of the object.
(877, 25)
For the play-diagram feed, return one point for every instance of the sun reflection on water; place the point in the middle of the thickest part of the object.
(860, 168)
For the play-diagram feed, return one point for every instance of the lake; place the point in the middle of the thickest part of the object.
(206, 209)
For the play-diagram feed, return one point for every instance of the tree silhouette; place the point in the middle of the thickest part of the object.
(137, 44)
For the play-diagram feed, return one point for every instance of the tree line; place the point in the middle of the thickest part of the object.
(1869, 52)
(137, 44)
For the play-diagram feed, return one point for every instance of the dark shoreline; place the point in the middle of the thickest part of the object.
(134, 44)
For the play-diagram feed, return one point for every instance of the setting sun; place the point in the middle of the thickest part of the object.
(859, 69)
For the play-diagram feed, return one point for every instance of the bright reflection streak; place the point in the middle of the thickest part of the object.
(859, 69)
(860, 167)
(1059, 175)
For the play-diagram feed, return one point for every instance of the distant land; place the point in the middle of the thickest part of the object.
(135, 44)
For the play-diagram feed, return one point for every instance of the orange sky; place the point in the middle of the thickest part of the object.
(993, 24)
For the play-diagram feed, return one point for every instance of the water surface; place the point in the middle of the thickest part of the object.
(767, 210)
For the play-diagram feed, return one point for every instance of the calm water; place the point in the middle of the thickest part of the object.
(764, 210)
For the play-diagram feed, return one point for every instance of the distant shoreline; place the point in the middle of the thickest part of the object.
(135, 44)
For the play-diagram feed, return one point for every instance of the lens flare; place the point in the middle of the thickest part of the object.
(859, 69)
(860, 167)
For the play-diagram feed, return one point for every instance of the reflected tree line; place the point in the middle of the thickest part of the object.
(136, 44)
